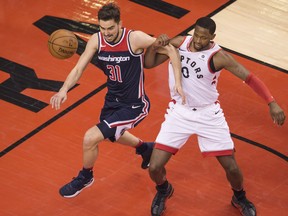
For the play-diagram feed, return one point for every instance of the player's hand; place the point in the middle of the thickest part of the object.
(179, 90)
(277, 113)
(58, 99)
(161, 40)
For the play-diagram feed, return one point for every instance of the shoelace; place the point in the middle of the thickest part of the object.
(246, 204)
(77, 181)
(161, 196)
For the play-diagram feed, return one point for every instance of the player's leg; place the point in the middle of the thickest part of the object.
(90, 153)
(127, 116)
(157, 169)
(233, 173)
(175, 131)
(128, 139)
(235, 178)
(142, 148)
(215, 140)
(90, 146)
(157, 173)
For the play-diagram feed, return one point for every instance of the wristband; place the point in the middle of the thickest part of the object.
(259, 87)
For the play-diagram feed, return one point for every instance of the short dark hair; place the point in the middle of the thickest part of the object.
(207, 23)
(108, 12)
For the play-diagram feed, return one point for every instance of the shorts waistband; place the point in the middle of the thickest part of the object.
(197, 108)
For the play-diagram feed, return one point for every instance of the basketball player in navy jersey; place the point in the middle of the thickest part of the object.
(120, 55)
(202, 60)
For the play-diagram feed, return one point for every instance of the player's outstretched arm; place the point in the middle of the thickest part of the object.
(224, 60)
(75, 74)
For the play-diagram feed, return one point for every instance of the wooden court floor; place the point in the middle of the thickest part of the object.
(41, 148)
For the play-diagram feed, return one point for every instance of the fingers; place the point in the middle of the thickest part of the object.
(181, 93)
(277, 114)
(56, 101)
(179, 90)
(280, 119)
(183, 99)
(163, 40)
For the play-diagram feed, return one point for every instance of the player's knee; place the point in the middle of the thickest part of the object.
(154, 168)
(91, 139)
(233, 171)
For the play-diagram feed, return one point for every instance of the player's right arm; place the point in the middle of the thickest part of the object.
(154, 58)
(224, 60)
(75, 74)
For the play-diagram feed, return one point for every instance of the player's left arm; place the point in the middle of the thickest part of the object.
(174, 56)
(140, 41)
(224, 60)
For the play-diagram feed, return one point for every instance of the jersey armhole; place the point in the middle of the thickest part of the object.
(129, 45)
(211, 63)
(99, 42)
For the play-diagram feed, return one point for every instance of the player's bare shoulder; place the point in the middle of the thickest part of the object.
(222, 59)
(93, 41)
(91, 47)
(139, 40)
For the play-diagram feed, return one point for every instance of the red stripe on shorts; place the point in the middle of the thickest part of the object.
(218, 153)
(166, 148)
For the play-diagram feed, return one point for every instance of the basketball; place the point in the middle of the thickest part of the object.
(62, 44)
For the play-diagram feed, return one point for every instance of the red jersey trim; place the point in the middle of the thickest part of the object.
(188, 44)
(121, 45)
(184, 38)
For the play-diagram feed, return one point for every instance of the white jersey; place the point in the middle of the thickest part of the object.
(199, 82)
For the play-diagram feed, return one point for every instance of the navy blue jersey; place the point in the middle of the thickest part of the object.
(126, 104)
(123, 68)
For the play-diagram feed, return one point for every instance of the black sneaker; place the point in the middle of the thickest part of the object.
(146, 155)
(158, 204)
(245, 207)
(77, 184)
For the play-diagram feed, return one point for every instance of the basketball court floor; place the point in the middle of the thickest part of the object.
(41, 149)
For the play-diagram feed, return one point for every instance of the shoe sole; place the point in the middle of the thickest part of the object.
(237, 207)
(170, 195)
(78, 192)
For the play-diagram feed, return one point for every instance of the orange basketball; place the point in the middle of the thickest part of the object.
(62, 44)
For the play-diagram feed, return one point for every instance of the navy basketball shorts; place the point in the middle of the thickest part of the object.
(118, 116)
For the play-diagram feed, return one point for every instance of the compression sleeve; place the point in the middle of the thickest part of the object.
(259, 87)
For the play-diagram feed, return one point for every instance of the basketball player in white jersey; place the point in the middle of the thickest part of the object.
(202, 61)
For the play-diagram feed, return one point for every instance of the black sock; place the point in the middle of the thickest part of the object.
(239, 194)
(87, 172)
(163, 187)
(141, 148)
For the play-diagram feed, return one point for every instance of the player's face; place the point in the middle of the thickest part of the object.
(110, 30)
(201, 38)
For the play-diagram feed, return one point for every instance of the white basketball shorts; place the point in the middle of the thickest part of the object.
(208, 123)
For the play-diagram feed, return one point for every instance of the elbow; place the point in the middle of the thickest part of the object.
(149, 63)
(148, 66)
